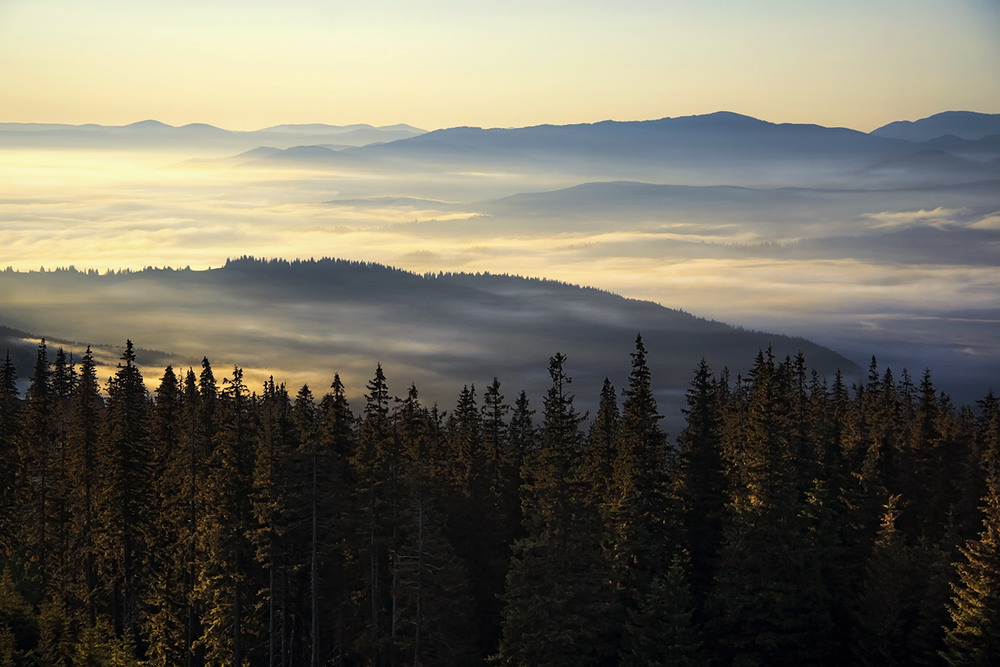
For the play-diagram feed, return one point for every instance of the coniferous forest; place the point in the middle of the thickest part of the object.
(793, 520)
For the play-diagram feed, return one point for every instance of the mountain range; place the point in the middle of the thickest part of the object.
(697, 150)
(152, 135)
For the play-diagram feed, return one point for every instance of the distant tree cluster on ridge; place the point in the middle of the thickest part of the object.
(793, 520)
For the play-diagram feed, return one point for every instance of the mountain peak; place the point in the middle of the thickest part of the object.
(149, 124)
(962, 124)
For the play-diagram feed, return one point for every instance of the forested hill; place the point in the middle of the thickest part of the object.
(304, 320)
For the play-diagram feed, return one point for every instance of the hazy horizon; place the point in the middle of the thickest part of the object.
(447, 64)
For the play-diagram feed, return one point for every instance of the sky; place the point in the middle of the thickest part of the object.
(443, 63)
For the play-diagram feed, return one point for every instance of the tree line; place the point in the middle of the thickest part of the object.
(794, 520)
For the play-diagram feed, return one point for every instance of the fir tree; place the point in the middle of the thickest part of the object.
(597, 466)
(82, 442)
(559, 611)
(167, 597)
(662, 629)
(770, 603)
(39, 431)
(886, 606)
(9, 456)
(273, 508)
(641, 504)
(973, 634)
(434, 616)
(19, 632)
(125, 503)
(701, 483)
(376, 463)
(225, 527)
(340, 523)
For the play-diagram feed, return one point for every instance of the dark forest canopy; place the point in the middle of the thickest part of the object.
(791, 520)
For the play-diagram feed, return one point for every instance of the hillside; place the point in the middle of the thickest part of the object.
(303, 321)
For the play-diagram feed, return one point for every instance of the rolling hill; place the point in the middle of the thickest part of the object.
(302, 321)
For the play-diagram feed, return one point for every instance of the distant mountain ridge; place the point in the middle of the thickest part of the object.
(722, 144)
(684, 150)
(722, 132)
(153, 134)
(962, 124)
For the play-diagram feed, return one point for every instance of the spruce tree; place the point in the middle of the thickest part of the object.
(39, 430)
(9, 456)
(125, 497)
(497, 534)
(642, 510)
(376, 463)
(167, 597)
(662, 629)
(82, 441)
(19, 631)
(769, 604)
(973, 634)
(273, 508)
(886, 605)
(434, 615)
(342, 526)
(560, 603)
(597, 466)
(701, 483)
(225, 576)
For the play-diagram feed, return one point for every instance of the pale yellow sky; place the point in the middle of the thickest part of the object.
(441, 63)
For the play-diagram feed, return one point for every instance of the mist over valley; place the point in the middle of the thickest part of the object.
(883, 243)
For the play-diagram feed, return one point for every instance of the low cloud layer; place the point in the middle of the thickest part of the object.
(852, 269)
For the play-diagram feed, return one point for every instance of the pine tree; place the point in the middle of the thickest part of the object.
(341, 527)
(560, 603)
(465, 439)
(167, 598)
(56, 641)
(275, 513)
(770, 603)
(642, 508)
(62, 384)
(225, 577)
(887, 603)
(494, 437)
(19, 632)
(701, 483)
(988, 434)
(9, 456)
(491, 558)
(521, 443)
(125, 497)
(376, 463)
(38, 443)
(597, 466)
(472, 525)
(191, 468)
(82, 442)
(973, 634)
(662, 629)
(433, 613)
